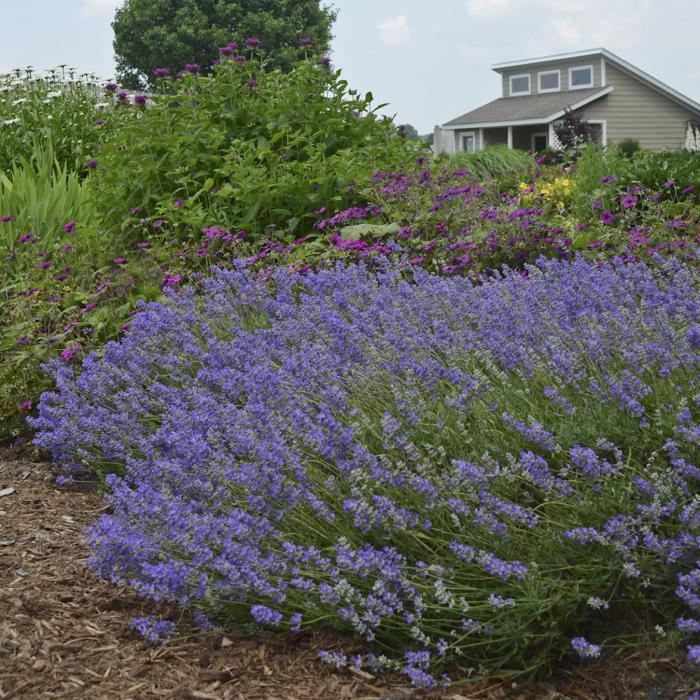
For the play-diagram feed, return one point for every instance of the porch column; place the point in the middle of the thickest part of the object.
(510, 137)
(551, 136)
(481, 139)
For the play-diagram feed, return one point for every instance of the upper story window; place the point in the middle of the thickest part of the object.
(549, 81)
(520, 84)
(581, 77)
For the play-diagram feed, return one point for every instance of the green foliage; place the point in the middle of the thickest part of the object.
(628, 147)
(492, 161)
(653, 169)
(151, 34)
(59, 106)
(244, 149)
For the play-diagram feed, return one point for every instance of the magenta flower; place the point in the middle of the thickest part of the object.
(580, 227)
(239, 59)
(111, 87)
(119, 261)
(192, 68)
(143, 245)
(5, 219)
(91, 164)
(100, 122)
(629, 200)
(65, 248)
(157, 223)
(67, 228)
(177, 204)
(125, 326)
(122, 97)
(161, 73)
(44, 265)
(68, 354)
(688, 190)
(607, 217)
(25, 237)
(170, 280)
(416, 261)
(253, 42)
(598, 204)
(304, 42)
(87, 308)
(140, 100)
(26, 405)
(62, 277)
(227, 50)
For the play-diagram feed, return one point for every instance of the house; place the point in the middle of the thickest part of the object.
(617, 99)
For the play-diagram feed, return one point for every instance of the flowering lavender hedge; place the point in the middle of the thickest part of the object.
(470, 477)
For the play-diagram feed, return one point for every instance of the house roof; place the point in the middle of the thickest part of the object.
(528, 109)
(615, 60)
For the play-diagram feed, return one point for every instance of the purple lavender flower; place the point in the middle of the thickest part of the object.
(584, 648)
(152, 629)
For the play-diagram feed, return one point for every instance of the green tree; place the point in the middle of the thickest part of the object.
(150, 34)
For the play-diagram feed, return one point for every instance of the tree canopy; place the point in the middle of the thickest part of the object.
(150, 34)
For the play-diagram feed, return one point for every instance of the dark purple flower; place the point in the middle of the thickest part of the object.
(252, 83)
(157, 223)
(122, 96)
(170, 280)
(5, 219)
(100, 122)
(125, 326)
(240, 59)
(629, 200)
(111, 87)
(143, 245)
(86, 308)
(161, 72)
(65, 248)
(253, 42)
(227, 50)
(62, 277)
(607, 217)
(607, 179)
(324, 61)
(304, 41)
(669, 183)
(119, 261)
(688, 190)
(676, 223)
(580, 227)
(177, 204)
(44, 265)
(26, 405)
(25, 237)
(140, 100)
(68, 354)
(192, 68)
(67, 228)
(598, 204)
(91, 164)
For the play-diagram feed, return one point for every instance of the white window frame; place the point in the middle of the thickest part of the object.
(535, 134)
(524, 92)
(461, 141)
(549, 72)
(581, 87)
(603, 128)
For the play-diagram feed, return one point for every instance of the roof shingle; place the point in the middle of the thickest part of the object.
(510, 109)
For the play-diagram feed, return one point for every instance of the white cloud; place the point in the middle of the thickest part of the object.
(92, 9)
(394, 31)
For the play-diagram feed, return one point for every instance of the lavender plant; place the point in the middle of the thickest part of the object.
(472, 478)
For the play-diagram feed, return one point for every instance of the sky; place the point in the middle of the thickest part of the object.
(429, 59)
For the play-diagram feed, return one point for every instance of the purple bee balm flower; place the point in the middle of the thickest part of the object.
(122, 96)
(192, 68)
(25, 237)
(5, 219)
(676, 223)
(227, 50)
(253, 42)
(44, 265)
(67, 228)
(324, 61)
(161, 73)
(100, 122)
(607, 217)
(688, 190)
(119, 261)
(111, 87)
(26, 405)
(304, 41)
(157, 223)
(88, 307)
(240, 59)
(91, 164)
(140, 100)
(252, 83)
(629, 200)
(143, 245)
(669, 183)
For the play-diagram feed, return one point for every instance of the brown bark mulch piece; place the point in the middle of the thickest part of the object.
(64, 633)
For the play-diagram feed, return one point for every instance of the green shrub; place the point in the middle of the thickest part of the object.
(492, 161)
(628, 147)
(244, 149)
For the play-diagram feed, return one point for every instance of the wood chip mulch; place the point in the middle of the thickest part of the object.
(64, 633)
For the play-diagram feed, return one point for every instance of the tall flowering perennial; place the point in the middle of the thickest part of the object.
(447, 470)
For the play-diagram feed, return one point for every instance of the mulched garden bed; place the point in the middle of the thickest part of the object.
(64, 633)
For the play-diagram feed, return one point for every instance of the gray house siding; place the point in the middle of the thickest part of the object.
(563, 66)
(635, 111)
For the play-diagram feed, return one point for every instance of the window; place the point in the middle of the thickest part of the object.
(539, 142)
(580, 77)
(468, 143)
(520, 84)
(549, 81)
